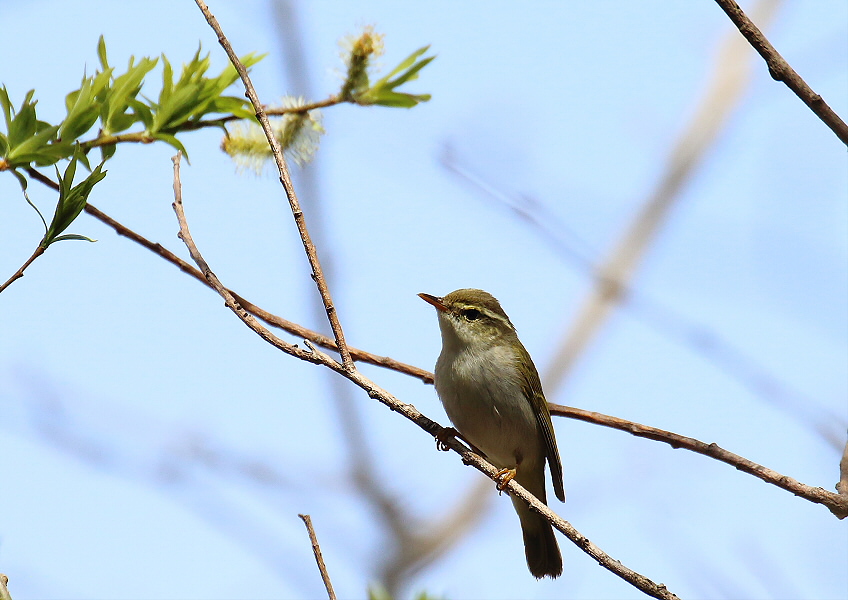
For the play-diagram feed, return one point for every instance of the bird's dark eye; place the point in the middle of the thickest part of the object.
(472, 314)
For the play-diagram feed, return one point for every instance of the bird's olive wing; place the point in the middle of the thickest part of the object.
(532, 386)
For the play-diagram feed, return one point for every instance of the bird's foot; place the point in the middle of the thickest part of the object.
(449, 432)
(503, 477)
(445, 433)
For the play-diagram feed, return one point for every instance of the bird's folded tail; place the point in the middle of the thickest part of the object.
(540, 545)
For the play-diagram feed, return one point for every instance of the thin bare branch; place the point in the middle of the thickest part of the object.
(229, 299)
(813, 494)
(836, 503)
(20, 272)
(316, 356)
(316, 550)
(285, 180)
(780, 70)
(618, 269)
(270, 318)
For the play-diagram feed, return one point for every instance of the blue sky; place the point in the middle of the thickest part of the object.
(152, 447)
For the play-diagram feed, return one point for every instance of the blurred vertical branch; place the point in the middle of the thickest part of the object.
(730, 359)
(415, 543)
(732, 72)
(699, 338)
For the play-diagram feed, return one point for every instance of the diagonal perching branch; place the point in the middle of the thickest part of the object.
(315, 356)
(836, 503)
(780, 70)
(285, 180)
(347, 367)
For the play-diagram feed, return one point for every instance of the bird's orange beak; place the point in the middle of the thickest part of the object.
(439, 303)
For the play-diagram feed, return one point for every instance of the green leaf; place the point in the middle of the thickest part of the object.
(107, 152)
(124, 89)
(399, 100)
(194, 95)
(143, 112)
(52, 153)
(29, 140)
(101, 53)
(73, 236)
(30, 149)
(72, 198)
(383, 93)
(23, 124)
(7, 106)
(173, 141)
(83, 106)
(407, 62)
(232, 105)
(23, 181)
(34, 207)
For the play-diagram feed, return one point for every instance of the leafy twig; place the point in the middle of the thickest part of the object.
(142, 137)
(72, 201)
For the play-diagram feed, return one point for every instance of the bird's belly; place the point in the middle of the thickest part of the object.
(489, 409)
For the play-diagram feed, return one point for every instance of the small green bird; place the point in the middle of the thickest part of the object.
(492, 394)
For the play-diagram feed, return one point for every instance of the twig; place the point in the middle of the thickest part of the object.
(270, 318)
(140, 137)
(275, 321)
(780, 70)
(316, 550)
(836, 503)
(20, 272)
(229, 299)
(407, 410)
(814, 494)
(285, 180)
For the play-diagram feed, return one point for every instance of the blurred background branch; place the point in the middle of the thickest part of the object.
(730, 78)
(415, 542)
